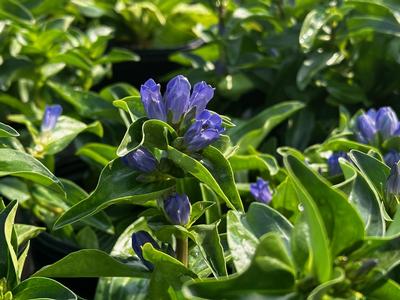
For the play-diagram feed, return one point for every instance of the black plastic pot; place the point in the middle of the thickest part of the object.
(154, 63)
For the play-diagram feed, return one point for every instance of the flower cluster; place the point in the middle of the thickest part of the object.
(180, 104)
(373, 125)
(261, 191)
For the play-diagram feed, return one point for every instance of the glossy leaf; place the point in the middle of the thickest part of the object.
(253, 131)
(270, 262)
(93, 263)
(7, 131)
(42, 288)
(100, 153)
(20, 164)
(117, 184)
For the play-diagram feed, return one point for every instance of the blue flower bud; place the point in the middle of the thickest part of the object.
(393, 181)
(152, 100)
(141, 159)
(260, 191)
(391, 158)
(177, 209)
(177, 97)
(333, 163)
(366, 128)
(139, 239)
(204, 131)
(201, 95)
(386, 122)
(50, 117)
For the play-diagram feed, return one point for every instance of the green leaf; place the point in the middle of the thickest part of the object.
(62, 135)
(270, 273)
(118, 91)
(20, 164)
(8, 254)
(168, 272)
(38, 288)
(323, 289)
(374, 170)
(150, 133)
(74, 58)
(117, 184)
(16, 12)
(242, 243)
(87, 104)
(27, 232)
(221, 170)
(314, 64)
(343, 224)
(365, 198)
(390, 290)
(93, 263)
(262, 162)
(341, 144)
(253, 131)
(100, 153)
(117, 55)
(208, 240)
(132, 105)
(7, 131)
(199, 171)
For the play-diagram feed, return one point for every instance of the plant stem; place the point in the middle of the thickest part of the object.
(182, 250)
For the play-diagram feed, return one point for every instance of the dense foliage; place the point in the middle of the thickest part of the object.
(251, 150)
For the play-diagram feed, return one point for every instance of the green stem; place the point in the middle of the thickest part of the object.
(182, 250)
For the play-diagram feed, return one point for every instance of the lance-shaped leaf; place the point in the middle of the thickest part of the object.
(93, 263)
(42, 288)
(65, 132)
(216, 173)
(342, 222)
(7, 131)
(364, 197)
(117, 183)
(253, 131)
(20, 164)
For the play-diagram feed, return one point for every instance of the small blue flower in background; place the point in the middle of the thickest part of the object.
(386, 122)
(333, 163)
(201, 95)
(393, 181)
(177, 209)
(391, 158)
(204, 131)
(139, 239)
(141, 159)
(152, 100)
(383, 122)
(260, 191)
(50, 117)
(177, 97)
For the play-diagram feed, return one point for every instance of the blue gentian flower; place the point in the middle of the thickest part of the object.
(386, 122)
(260, 191)
(50, 117)
(152, 100)
(366, 128)
(391, 158)
(204, 131)
(177, 97)
(333, 162)
(201, 95)
(383, 122)
(139, 239)
(177, 209)
(393, 181)
(141, 159)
